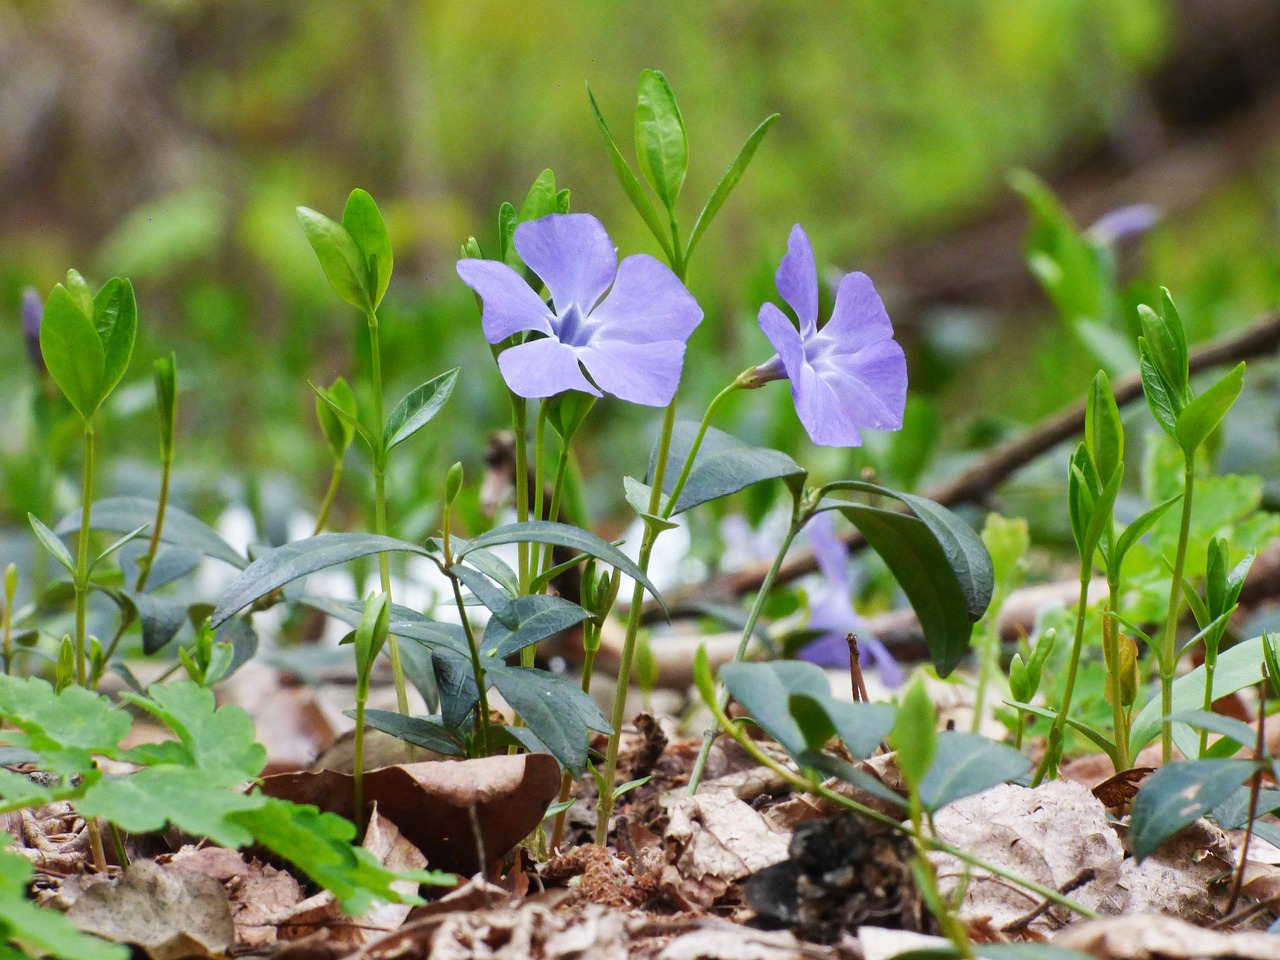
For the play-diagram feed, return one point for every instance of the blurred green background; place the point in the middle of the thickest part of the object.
(170, 141)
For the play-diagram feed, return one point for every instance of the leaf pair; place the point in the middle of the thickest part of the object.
(542, 200)
(87, 340)
(336, 409)
(356, 253)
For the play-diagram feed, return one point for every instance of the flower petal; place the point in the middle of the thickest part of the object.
(870, 385)
(510, 305)
(828, 650)
(858, 318)
(572, 255)
(543, 368)
(797, 280)
(648, 303)
(830, 552)
(784, 338)
(643, 373)
(870, 648)
(821, 411)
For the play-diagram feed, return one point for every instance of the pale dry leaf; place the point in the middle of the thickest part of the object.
(1178, 880)
(1056, 834)
(1138, 936)
(881, 943)
(261, 901)
(217, 862)
(1261, 882)
(165, 911)
(532, 931)
(724, 941)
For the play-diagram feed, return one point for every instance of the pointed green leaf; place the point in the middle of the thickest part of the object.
(1206, 411)
(287, 563)
(507, 223)
(496, 569)
(165, 373)
(1157, 394)
(1103, 430)
(339, 429)
(537, 617)
(370, 636)
(72, 351)
(1140, 526)
(424, 732)
(159, 617)
(726, 184)
(364, 224)
(540, 201)
(555, 709)
(51, 543)
(914, 736)
(631, 185)
(1177, 795)
(340, 257)
(336, 405)
(418, 408)
(115, 317)
(180, 528)
(965, 764)
(127, 538)
(662, 145)
(765, 691)
(494, 598)
(724, 465)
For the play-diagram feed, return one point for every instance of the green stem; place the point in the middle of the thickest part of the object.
(1168, 641)
(82, 557)
(380, 507)
(473, 644)
(1111, 639)
(357, 771)
(153, 545)
(520, 426)
(335, 479)
(798, 520)
(590, 644)
(1077, 645)
(687, 468)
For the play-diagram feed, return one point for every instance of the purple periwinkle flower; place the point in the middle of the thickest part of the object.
(831, 610)
(846, 376)
(624, 323)
(32, 314)
(1124, 222)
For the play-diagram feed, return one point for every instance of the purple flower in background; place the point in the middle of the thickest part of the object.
(32, 314)
(625, 323)
(831, 610)
(848, 375)
(1124, 222)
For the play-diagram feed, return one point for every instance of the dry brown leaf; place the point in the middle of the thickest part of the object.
(881, 943)
(165, 911)
(1118, 790)
(261, 901)
(1056, 834)
(1151, 937)
(431, 802)
(1261, 882)
(1178, 880)
(533, 930)
(724, 941)
(217, 862)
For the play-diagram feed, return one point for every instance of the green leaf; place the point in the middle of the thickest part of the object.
(286, 563)
(423, 732)
(726, 184)
(364, 224)
(965, 764)
(541, 200)
(159, 617)
(631, 185)
(507, 223)
(1140, 526)
(1178, 794)
(1103, 430)
(914, 735)
(370, 636)
(563, 535)
(405, 622)
(339, 428)
(165, 374)
(340, 256)
(456, 684)
(765, 691)
(811, 720)
(115, 318)
(73, 353)
(129, 537)
(121, 514)
(1154, 389)
(1203, 414)
(348, 415)
(494, 598)
(64, 727)
(319, 844)
(537, 617)
(418, 408)
(702, 677)
(835, 767)
(555, 709)
(662, 145)
(724, 465)
(1229, 727)
(1105, 745)
(50, 541)
(220, 740)
(496, 569)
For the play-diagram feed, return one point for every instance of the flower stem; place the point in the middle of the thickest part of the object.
(357, 772)
(380, 507)
(82, 556)
(1049, 760)
(153, 545)
(1111, 641)
(520, 426)
(687, 468)
(798, 520)
(1168, 641)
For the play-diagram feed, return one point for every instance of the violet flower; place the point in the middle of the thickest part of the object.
(624, 323)
(831, 610)
(32, 315)
(849, 374)
(1124, 222)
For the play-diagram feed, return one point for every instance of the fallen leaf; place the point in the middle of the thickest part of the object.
(1119, 789)
(729, 942)
(431, 802)
(165, 911)
(1178, 880)
(1152, 937)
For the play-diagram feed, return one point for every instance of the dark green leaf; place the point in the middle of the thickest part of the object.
(765, 691)
(1178, 794)
(835, 767)
(726, 184)
(165, 373)
(1234, 811)
(418, 408)
(364, 224)
(115, 317)
(965, 764)
(484, 590)
(1203, 414)
(457, 686)
(662, 146)
(631, 185)
(724, 465)
(555, 709)
(425, 732)
(73, 353)
(284, 564)
(160, 618)
(811, 720)
(238, 632)
(1237, 730)
(180, 528)
(496, 569)
(347, 415)
(340, 257)
(538, 617)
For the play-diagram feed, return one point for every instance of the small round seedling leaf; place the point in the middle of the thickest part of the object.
(73, 353)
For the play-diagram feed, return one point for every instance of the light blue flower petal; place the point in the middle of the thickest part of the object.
(643, 373)
(573, 256)
(822, 412)
(784, 338)
(870, 386)
(510, 305)
(858, 318)
(797, 280)
(648, 303)
(543, 368)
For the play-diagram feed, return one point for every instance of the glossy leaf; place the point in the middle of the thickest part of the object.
(159, 617)
(495, 568)
(1156, 392)
(724, 465)
(1140, 526)
(1103, 430)
(423, 732)
(73, 353)
(965, 764)
(765, 690)
(340, 257)
(662, 145)
(364, 224)
(555, 709)
(1203, 414)
(727, 182)
(811, 720)
(418, 408)
(284, 564)
(537, 617)
(494, 598)
(1178, 794)
(115, 318)
(456, 684)
(180, 528)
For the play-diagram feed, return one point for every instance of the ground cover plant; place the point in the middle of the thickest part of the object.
(569, 322)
